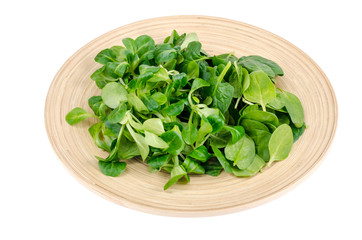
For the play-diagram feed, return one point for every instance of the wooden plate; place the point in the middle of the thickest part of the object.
(138, 189)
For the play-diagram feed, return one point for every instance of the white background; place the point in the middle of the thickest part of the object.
(40, 200)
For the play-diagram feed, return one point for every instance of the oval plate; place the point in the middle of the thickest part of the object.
(138, 189)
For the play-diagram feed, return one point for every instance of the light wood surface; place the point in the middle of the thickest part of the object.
(138, 189)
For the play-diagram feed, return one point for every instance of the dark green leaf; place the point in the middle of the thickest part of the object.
(220, 156)
(174, 141)
(118, 113)
(201, 153)
(192, 166)
(158, 161)
(94, 103)
(175, 108)
(112, 169)
(297, 132)
(150, 103)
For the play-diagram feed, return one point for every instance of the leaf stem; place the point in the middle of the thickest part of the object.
(237, 103)
(203, 142)
(221, 77)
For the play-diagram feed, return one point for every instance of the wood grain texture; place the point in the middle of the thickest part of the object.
(138, 189)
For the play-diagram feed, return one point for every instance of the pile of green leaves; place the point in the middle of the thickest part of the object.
(186, 112)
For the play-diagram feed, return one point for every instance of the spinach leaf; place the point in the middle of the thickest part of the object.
(261, 89)
(220, 156)
(189, 134)
(256, 165)
(280, 143)
(242, 152)
(294, 108)
(261, 116)
(297, 132)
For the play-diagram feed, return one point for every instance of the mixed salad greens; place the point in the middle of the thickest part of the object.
(186, 112)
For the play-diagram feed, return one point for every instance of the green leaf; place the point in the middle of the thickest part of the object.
(137, 103)
(236, 81)
(216, 122)
(261, 89)
(280, 143)
(119, 69)
(159, 97)
(297, 132)
(108, 55)
(174, 141)
(260, 135)
(140, 141)
(223, 96)
(158, 161)
(193, 70)
(191, 37)
(153, 125)
(201, 153)
(294, 108)
(213, 168)
(127, 149)
(112, 169)
(198, 83)
(179, 80)
(77, 115)
(221, 138)
(175, 108)
(155, 141)
(252, 64)
(150, 103)
(220, 156)
(95, 103)
(261, 116)
(117, 114)
(176, 174)
(192, 51)
(275, 67)
(113, 94)
(237, 132)
(205, 128)
(189, 134)
(242, 152)
(256, 165)
(96, 133)
(130, 44)
(192, 166)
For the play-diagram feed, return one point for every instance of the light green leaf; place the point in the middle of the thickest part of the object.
(280, 143)
(113, 94)
(141, 142)
(261, 89)
(242, 152)
(153, 125)
(154, 140)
